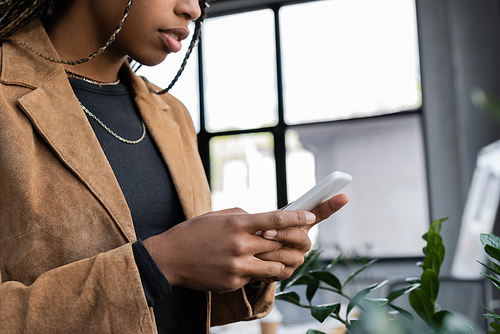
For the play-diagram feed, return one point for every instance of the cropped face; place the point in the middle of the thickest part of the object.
(153, 29)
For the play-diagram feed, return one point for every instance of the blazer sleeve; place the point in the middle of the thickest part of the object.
(102, 294)
(236, 306)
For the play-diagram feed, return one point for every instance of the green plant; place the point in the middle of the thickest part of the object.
(423, 298)
(491, 245)
(486, 101)
(422, 291)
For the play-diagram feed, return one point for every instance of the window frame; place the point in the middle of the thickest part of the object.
(230, 7)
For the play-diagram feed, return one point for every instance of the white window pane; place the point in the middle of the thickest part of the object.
(301, 172)
(388, 210)
(186, 88)
(243, 172)
(349, 58)
(240, 70)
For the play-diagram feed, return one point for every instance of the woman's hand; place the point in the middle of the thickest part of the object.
(295, 239)
(327, 208)
(215, 251)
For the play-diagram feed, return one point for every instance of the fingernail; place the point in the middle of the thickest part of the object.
(311, 217)
(282, 267)
(270, 233)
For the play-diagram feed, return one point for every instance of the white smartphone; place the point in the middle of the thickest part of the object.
(322, 191)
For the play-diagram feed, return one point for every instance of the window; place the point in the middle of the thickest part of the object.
(293, 92)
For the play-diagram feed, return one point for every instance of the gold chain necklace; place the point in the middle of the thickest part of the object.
(92, 81)
(112, 132)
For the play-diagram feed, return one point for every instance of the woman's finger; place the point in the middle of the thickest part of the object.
(278, 220)
(329, 207)
(296, 237)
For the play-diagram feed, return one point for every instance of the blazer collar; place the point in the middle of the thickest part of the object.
(23, 67)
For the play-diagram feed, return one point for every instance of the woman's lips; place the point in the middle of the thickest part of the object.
(173, 44)
(173, 39)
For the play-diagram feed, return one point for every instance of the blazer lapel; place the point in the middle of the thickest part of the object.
(166, 134)
(56, 114)
(58, 117)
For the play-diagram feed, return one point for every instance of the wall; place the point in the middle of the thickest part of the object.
(460, 49)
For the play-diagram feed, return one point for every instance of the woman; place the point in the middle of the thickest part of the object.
(104, 207)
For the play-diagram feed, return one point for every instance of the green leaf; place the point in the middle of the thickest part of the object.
(433, 239)
(440, 250)
(327, 277)
(376, 286)
(432, 261)
(422, 305)
(351, 276)
(435, 243)
(333, 263)
(357, 299)
(288, 296)
(424, 250)
(496, 284)
(313, 331)
(493, 332)
(425, 236)
(496, 266)
(436, 225)
(495, 270)
(312, 287)
(361, 294)
(492, 316)
(412, 280)
(487, 102)
(488, 310)
(321, 312)
(301, 280)
(308, 261)
(490, 239)
(284, 283)
(493, 279)
(375, 302)
(402, 311)
(397, 293)
(493, 252)
(354, 326)
(430, 284)
(495, 326)
(438, 321)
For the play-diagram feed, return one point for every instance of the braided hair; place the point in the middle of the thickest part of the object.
(204, 5)
(16, 13)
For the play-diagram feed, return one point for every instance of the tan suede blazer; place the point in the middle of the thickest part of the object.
(66, 263)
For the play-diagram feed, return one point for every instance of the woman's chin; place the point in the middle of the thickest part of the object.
(151, 60)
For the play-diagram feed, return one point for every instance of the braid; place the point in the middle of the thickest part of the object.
(14, 14)
(196, 36)
(110, 40)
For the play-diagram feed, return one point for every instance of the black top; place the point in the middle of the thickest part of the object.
(148, 188)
